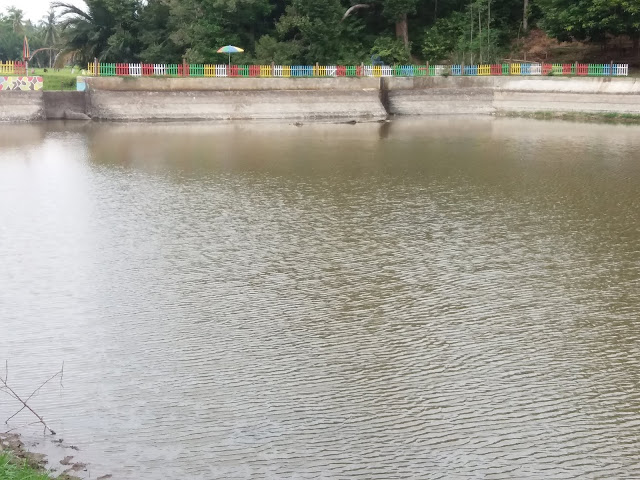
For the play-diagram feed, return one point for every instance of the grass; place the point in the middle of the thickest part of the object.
(12, 468)
(604, 117)
(57, 80)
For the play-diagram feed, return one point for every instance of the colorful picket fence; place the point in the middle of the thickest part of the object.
(13, 68)
(285, 71)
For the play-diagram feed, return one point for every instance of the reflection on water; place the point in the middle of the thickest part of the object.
(443, 298)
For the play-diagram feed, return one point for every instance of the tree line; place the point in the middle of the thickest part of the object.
(310, 31)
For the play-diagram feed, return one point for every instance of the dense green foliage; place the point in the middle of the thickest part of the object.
(591, 19)
(309, 31)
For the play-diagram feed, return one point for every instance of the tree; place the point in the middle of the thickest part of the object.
(314, 27)
(591, 19)
(107, 28)
(155, 34)
(398, 11)
(16, 16)
(51, 36)
(10, 39)
(200, 27)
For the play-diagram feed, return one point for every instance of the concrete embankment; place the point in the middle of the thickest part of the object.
(233, 98)
(490, 95)
(65, 105)
(21, 106)
(148, 98)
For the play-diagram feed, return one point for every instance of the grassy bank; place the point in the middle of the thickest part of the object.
(62, 79)
(12, 468)
(604, 117)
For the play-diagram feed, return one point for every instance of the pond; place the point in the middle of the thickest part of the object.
(442, 298)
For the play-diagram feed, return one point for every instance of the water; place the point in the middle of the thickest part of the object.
(451, 298)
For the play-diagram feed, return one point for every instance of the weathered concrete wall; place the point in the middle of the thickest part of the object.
(151, 84)
(21, 106)
(233, 105)
(487, 95)
(441, 101)
(113, 98)
(64, 105)
(233, 98)
(565, 102)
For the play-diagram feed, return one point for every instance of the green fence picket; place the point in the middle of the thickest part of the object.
(107, 69)
(196, 70)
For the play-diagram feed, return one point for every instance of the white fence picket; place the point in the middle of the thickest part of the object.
(221, 70)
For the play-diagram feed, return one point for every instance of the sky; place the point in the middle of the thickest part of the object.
(34, 10)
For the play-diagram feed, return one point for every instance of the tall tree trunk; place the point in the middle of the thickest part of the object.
(489, 30)
(525, 16)
(50, 59)
(402, 30)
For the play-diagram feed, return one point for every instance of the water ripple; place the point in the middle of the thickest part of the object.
(426, 300)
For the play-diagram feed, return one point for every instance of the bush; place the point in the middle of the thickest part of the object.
(443, 37)
(391, 50)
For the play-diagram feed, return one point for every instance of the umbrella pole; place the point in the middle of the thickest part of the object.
(229, 59)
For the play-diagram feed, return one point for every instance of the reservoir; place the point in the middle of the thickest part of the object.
(424, 298)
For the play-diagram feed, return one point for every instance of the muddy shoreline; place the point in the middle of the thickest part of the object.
(49, 455)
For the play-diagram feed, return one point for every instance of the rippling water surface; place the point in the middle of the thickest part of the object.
(424, 299)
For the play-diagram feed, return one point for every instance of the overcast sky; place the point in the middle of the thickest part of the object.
(34, 10)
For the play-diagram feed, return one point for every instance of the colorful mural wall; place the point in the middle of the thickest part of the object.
(21, 83)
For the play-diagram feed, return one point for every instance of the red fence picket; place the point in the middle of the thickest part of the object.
(147, 69)
(122, 69)
(547, 68)
(567, 69)
(341, 71)
(254, 70)
(232, 71)
(583, 69)
(496, 69)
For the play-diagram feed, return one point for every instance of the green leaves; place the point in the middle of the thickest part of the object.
(443, 38)
(309, 31)
(396, 9)
(590, 19)
(391, 50)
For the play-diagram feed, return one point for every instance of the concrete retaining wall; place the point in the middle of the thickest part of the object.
(232, 98)
(64, 105)
(21, 106)
(190, 84)
(234, 105)
(127, 98)
(488, 95)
